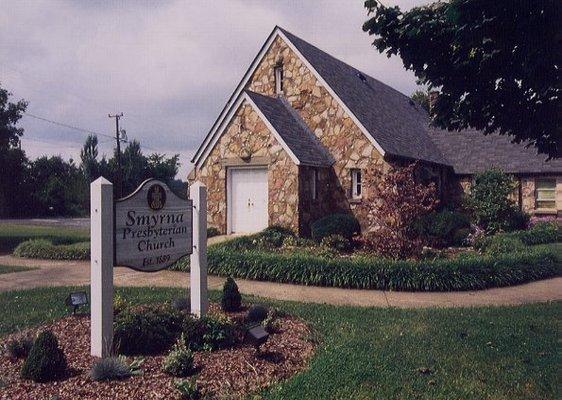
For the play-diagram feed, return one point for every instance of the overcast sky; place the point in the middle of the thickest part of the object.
(169, 66)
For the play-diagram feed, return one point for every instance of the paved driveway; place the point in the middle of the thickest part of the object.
(62, 273)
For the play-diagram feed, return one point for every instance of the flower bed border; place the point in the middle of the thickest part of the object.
(464, 273)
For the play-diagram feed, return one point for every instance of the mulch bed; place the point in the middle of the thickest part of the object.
(229, 373)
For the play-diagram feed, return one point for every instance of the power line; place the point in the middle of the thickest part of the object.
(67, 125)
(89, 131)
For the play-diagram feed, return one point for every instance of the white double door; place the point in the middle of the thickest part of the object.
(247, 199)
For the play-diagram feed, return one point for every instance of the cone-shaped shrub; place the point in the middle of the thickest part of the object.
(231, 298)
(46, 361)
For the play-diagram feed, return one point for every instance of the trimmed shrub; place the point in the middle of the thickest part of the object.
(541, 233)
(182, 304)
(256, 313)
(193, 330)
(188, 389)
(336, 242)
(113, 368)
(441, 227)
(231, 299)
(477, 272)
(146, 330)
(179, 362)
(19, 347)
(42, 248)
(46, 361)
(345, 225)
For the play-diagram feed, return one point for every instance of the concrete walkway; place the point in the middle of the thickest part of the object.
(63, 273)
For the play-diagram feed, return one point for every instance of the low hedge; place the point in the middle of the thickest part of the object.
(345, 225)
(541, 233)
(464, 273)
(46, 249)
(11, 235)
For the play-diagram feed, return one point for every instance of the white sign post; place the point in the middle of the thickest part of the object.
(101, 267)
(198, 260)
(148, 230)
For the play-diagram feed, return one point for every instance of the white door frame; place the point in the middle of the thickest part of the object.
(229, 191)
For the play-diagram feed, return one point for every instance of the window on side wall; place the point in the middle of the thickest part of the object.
(278, 71)
(356, 184)
(545, 193)
(314, 184)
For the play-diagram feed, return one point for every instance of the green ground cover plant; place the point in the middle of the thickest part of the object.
(366, 353)
(11, 235)
(462, 273)
(44, 248)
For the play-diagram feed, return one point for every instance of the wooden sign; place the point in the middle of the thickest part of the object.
(153, 227)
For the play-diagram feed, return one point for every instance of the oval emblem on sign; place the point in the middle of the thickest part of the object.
(156, 197)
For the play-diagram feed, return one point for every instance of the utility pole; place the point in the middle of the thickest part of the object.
(119, 177)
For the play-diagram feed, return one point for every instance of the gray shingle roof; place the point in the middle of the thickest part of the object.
(396, 123)
(292, 129)
(402, 128)
(470, 151)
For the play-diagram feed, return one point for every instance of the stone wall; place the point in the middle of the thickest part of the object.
(349, 147)
(246, 134)
(524, 194)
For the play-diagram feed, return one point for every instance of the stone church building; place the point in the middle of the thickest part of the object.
(302, 133)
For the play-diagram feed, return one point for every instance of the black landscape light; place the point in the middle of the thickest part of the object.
(76, 299)
(257, 336)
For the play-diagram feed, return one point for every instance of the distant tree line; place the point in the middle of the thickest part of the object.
(51, 186)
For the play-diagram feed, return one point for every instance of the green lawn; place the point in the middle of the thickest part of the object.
(13, 234)
(6, 269)
(369, 353)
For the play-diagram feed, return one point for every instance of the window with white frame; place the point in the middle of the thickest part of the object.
(545, 193)
(278, 71)
(356, 184)
(314, 184)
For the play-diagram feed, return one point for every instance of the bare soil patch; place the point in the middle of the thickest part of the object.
(229, 373)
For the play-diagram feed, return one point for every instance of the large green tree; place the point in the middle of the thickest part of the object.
(12, 159)
(136, 167)
(496, 64)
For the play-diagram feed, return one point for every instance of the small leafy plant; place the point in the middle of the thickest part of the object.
(179, 362)
(188, 389)
(231, 299)
(46, 361)
(271, 322)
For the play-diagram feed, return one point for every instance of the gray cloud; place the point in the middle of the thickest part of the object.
(169, 66)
